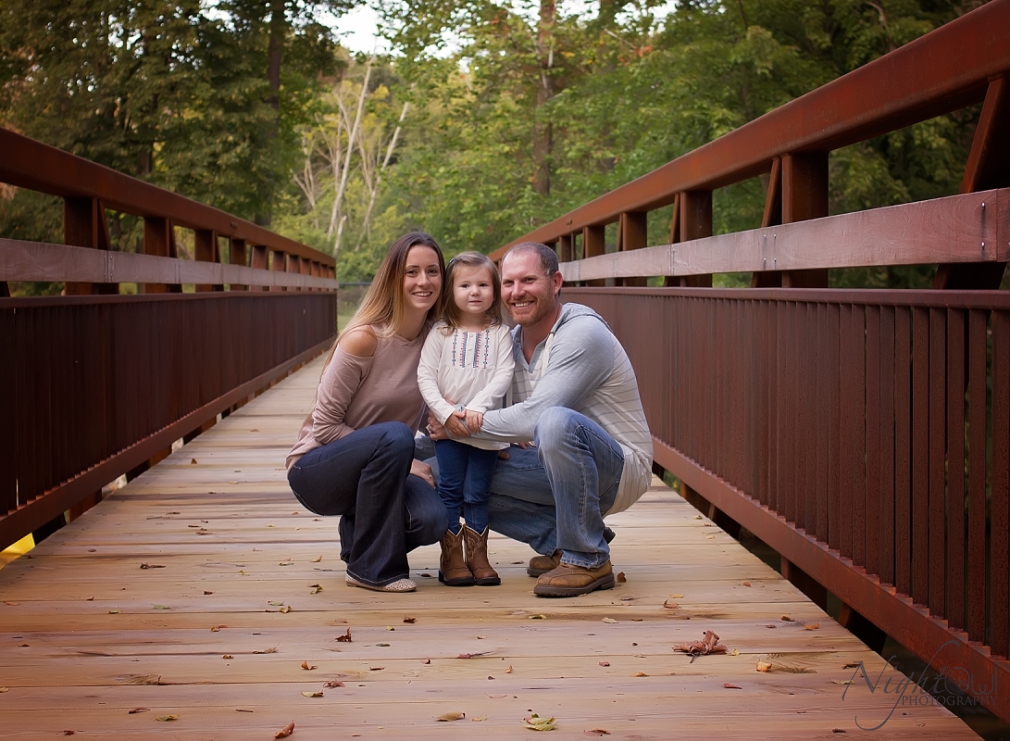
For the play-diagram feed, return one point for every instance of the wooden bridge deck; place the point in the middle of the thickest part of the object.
(171, 600)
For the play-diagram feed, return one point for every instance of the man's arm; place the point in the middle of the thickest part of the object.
(581, 358)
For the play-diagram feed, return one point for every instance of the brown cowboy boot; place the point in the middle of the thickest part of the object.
(452, 570)
(568, 580)
(476, 558)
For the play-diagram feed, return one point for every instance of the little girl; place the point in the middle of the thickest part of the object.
(466, 368)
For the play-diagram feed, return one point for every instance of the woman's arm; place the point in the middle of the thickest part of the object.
(340, 382)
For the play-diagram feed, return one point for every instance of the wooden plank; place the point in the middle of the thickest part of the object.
(84, 621)
(942, 230)
(20, 260)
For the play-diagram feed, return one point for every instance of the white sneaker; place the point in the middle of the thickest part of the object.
(400, 585)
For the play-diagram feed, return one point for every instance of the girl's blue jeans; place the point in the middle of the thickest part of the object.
(464, 481)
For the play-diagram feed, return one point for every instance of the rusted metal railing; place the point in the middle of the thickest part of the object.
(862, 434)
(99, 385)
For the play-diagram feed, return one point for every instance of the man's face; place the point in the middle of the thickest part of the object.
(528, 293)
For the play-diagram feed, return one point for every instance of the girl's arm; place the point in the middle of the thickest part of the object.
(427, 374)
(490, 397)
(339, 383)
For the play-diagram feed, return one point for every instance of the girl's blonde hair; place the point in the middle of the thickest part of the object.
(451, 314)
(383, 304)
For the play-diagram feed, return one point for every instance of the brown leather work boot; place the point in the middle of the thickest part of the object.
(476, 558)
(452, 570)
(568, 580)
(542, 564)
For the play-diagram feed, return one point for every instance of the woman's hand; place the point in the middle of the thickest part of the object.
(423, 471)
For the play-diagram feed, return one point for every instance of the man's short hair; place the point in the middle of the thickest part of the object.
(548, 257)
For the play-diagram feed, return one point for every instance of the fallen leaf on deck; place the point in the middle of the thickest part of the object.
(509, 670)
(310, 693)
(244, 710)
(346, 637)
(275, 603)
(735, 652)
(382, 645)
(243, 573)
(764, 666)
(730, 686)
(786, 618)
(161, 607)
(852, 665)
(229, 656)
(4, 689)
(201, 531)
(770, 625)
(192, 461)
(286, 563)
(166, 718)
(307, 666)
(538, 617)
(376, 668)
(516, 562)
(232, 482)
(217, 628)
(596, 732)
(426, 661)
(11, 604)
(608, 620)
(621, 577)
(536, 723)
(90, 599)
(114, 612)
(676, 596)
(69, 733)
(285, 609)
(709, 537)
(746, 583)
(479, 718)
(604, 663)
(490, 677)
(474, 655)
(333, 683)
(670, 605)
(316, 588)
(139, 710)
(447, 717)
(639, 674)
(410, 620)
(390, 627)
(838, 730)
(843, 681)
(206, 592)
(285, 731)
(812, 626)
(697, 517)
(317, 559)
(272, 650)
(709, 644)
(425, 574)
(152, 566)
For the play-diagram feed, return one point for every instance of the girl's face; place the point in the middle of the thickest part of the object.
(472, 290)
(422, 279)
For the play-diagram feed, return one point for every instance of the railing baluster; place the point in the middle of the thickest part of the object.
(1000, 499)
(955, 467)
(937, 455)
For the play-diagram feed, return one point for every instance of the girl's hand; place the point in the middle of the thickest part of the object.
(455, 425)
(474, 420)
(422, 470)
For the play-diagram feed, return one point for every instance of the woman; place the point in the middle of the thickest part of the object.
(355, 452)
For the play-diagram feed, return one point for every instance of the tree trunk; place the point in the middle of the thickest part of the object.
(275, 55)
(545, 91)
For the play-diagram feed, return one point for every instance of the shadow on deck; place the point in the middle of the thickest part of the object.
(202, 591)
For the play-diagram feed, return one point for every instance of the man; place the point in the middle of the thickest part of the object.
(576, 397)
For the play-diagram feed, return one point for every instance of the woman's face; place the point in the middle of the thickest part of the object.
(422, 279)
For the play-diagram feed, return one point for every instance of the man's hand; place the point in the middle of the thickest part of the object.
(422, 470)
(474, 420)
(456, 425)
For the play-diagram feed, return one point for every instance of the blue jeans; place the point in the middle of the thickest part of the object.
(464, 482)
(554, 495)
(385, 512)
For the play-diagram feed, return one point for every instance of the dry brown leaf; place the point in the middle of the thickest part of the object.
(308, 667)
(271, 650)
(376, 668)
(479, 718)
(11, 604)
(731, 686)
(536, 723)
(152, 566)
(676, 596)
(346, 637)
(138, 710)
(764, 666)
(843, 681)
(851, 665)
(317, 559)
(608, 620)
(448, 717)
(621, 578)
(166, 718)
(192, 461)
(244, 710)
(812, 626)
(746, 583)
(596, 732)
(229, 656)
(670, 605)
(709, 537)
(604, 663)
(286, 730)
(217, 628)
(316, 588)
(509, 670)
(68, 732)
(771, 626)
(538, 617)
(639, 674)
(206, 592)
(285, 609)
(786, 619)
(310, 693)
(709, 644)
(410, 620)
(333, 683)
(4, 689)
